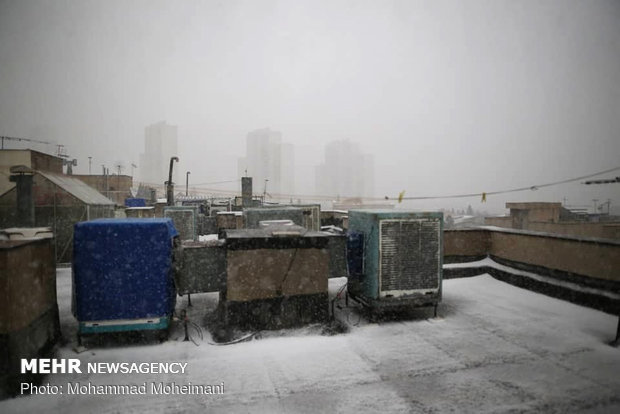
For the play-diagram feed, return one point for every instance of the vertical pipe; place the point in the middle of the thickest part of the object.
(25, 201)
(187, 183)
(169, 184)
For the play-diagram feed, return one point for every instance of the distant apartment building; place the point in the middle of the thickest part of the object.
(554, 218)
(268, 158)
(160, 143)
(347, 171)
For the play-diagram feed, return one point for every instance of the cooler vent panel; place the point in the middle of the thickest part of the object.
(409, 254)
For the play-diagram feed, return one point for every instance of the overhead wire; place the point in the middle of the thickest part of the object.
(513, 190)
(323, 197)
(216, 182)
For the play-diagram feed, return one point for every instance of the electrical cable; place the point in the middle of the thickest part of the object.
(513, 190)
(217, 182)
(189, 324)
(238, 340)
(433, 197)
(338, 298)
(288, 270)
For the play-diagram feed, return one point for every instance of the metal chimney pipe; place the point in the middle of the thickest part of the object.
(170, 184)
(22, 177)
(187, 183)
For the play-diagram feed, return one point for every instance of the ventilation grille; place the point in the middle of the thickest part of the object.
(410, 252)
(184, 222)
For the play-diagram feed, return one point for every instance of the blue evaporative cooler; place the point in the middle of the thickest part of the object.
(123, 275)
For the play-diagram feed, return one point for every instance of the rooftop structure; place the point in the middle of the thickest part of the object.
(115, 187)
(57, 201)
(30, 158)
(555, 218)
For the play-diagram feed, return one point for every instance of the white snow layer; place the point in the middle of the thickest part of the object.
(488, 262)
(493, 348)
(207, 237)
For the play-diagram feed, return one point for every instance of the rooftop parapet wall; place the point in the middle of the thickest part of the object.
(606, 230)
(602, 229)
(505, 221)
(466, 243)
(596, 258)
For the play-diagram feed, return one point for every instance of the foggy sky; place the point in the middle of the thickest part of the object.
(451, 97)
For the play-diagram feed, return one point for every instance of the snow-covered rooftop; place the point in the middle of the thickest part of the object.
(493, 348)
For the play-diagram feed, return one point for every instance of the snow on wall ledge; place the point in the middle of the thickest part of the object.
(590, 257)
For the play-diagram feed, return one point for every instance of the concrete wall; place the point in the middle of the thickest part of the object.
(27, 282)
(29, 321)
(596, 258)
(46, 162)
(579, 228)
(544, 214)
(505, 222)
(605, 230)
(588, 258)
(466, 243)
(522, 213)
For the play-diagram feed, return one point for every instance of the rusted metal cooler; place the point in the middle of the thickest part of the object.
(275, 278)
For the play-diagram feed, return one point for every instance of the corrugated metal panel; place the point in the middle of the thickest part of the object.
(78, 189)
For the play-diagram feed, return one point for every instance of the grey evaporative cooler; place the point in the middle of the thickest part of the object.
(395, 258)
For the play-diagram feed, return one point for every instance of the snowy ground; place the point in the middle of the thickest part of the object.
(493, 348)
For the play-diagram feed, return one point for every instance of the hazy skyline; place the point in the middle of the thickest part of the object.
(450, 97)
